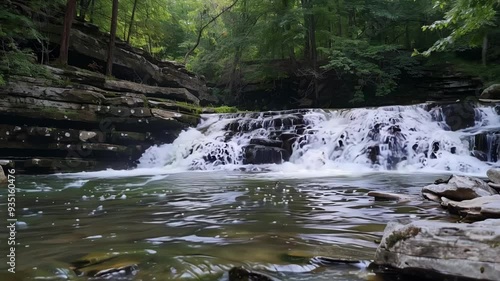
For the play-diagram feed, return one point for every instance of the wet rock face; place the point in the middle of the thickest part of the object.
(266, 142)
(259, 154)
(425, 247)
(459, 115)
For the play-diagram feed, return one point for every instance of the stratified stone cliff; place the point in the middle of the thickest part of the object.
(80, 120)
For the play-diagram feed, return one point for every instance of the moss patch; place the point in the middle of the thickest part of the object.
(397, 236)
(225, 109)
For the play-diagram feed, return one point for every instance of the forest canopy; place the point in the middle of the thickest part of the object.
(372, 40)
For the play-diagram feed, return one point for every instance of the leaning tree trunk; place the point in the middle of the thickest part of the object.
(112, 38)
(131, 21)
(68, 21)
(84, 6)
(202, 28)
(92, 6)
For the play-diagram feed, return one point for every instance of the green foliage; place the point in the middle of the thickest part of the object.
(22, 63)
(489, 74)
(371, 65)
(266, 40)
(225, 109)
(467, 20)
(16, 28)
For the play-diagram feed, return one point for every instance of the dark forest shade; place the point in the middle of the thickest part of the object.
(68, 21)
(112, 38)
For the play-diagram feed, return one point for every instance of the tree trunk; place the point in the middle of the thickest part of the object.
(407, 36)
(68, 21)
(150, 46)
(92, 5)
(84, 6)
(287, 28)
(340, 17)
(310, 45)
(307, 46)
(235, 77)
(131, 21)
(484, 52)
(112, 37)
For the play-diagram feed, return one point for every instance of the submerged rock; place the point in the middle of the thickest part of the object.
(105, 266)
(387, 196)
(458, 188)
(3, 178)
(438, 249)
(241, 274)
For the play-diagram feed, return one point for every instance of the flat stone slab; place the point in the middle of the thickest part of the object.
(388, 196)
(459, 188)
(478, 208)
(442, 249)
(491, 209)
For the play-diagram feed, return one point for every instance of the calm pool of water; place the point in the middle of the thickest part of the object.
(198, 225)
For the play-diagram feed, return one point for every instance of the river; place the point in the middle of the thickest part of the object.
(267, 191)
(197, 225)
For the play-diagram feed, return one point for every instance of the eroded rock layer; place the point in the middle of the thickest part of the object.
(79, 120)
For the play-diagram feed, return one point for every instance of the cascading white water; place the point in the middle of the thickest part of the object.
(403, 138)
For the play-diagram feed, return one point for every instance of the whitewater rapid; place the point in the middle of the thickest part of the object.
(393, 139)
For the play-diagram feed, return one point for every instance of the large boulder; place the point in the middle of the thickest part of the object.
(493, 175)
(492, 92)
(436, 250)
(458, 188)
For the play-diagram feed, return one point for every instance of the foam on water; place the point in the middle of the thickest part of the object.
(400, 139)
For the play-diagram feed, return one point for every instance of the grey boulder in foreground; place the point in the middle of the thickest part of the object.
(432, 248)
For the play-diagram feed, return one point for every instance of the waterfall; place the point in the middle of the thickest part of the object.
(425, 137)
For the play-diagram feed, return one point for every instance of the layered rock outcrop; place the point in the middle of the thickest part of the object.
(80, 120)
(88, 49)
